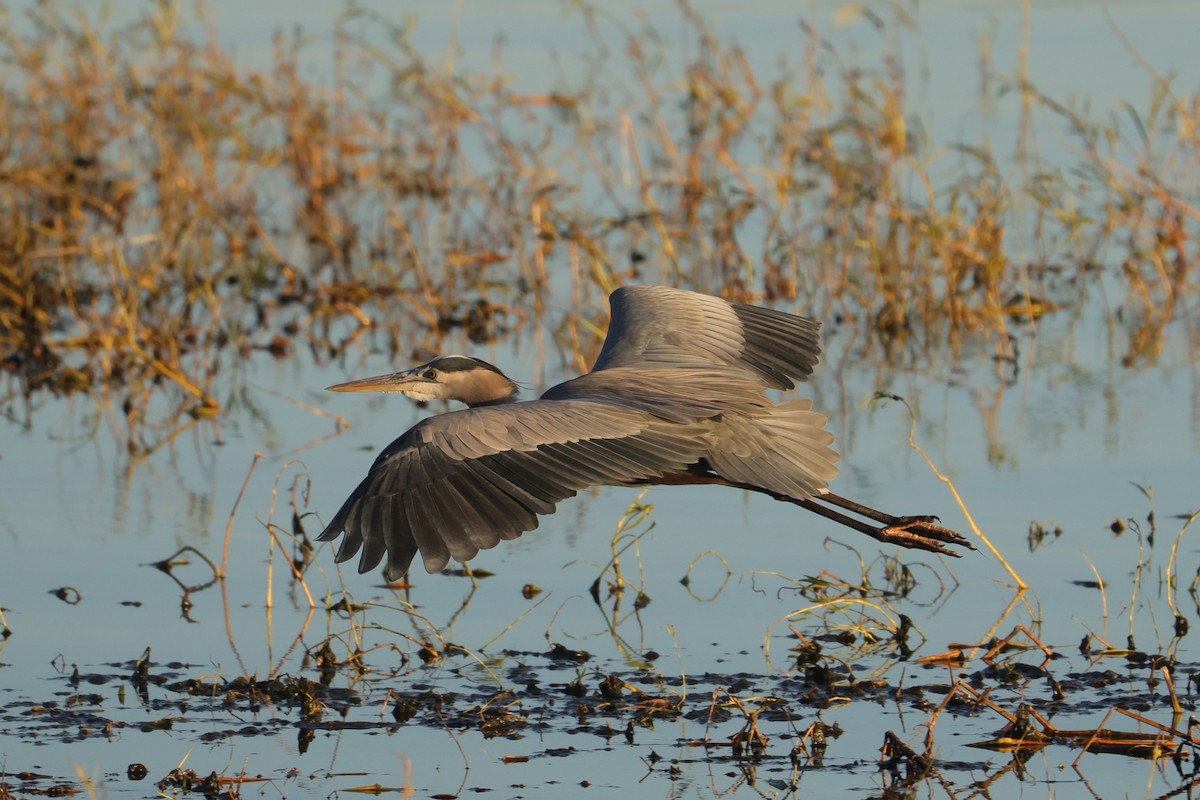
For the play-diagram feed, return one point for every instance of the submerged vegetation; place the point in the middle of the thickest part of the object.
(842, 692)
(168, 215)
(165, 211)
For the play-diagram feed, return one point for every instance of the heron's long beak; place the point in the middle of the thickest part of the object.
(403, 382)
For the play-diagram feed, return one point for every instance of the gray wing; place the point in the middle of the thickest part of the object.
(461, 482)
(654, 326)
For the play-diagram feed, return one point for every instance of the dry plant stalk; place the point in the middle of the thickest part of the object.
(144, 243)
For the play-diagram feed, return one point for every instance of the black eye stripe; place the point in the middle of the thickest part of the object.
(463, 364)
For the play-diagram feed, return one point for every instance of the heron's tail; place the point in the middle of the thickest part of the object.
(786, 450)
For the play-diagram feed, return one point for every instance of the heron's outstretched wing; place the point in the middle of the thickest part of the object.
(461, 482)
(655, 326)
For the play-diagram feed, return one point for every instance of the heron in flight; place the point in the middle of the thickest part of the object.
(676, 397)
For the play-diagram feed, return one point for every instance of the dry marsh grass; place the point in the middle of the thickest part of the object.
(165, 211)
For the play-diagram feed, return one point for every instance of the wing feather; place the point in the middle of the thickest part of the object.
(435, 546)
(349, 519)
(787, 451)
(539, 483)
(375, 547)
(495, 505)
(656, 326)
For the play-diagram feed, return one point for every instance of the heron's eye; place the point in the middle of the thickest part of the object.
(429, 374)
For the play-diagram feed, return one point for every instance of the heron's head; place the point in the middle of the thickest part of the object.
(462, 378)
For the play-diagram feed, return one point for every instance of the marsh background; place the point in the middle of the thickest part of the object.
(209, 213)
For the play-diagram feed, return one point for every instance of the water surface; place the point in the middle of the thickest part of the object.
(1070, 435)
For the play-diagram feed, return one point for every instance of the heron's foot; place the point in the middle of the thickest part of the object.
(923, 533)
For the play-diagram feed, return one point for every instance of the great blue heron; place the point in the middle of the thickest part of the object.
(675, 397)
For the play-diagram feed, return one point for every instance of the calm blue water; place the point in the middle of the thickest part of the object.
(1062, 445)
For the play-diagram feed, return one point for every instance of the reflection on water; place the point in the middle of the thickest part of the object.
(1071, 419)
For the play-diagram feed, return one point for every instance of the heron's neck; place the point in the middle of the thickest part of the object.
(489, 389)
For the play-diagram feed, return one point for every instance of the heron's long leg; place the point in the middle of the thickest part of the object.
(920, 532)
(837, 516)
(867, 511)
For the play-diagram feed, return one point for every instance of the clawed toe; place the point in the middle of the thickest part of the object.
(923, 533)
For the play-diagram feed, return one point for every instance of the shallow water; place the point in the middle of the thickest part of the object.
(1062, 443)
